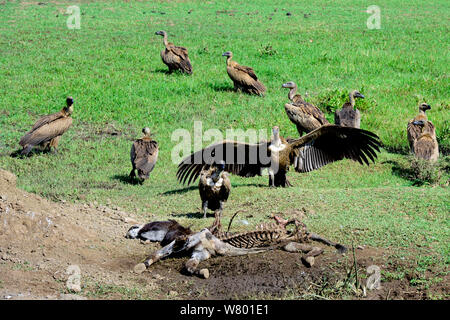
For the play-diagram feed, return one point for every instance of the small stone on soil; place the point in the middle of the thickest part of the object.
(308, 261)
(139, 268)
(204, 273)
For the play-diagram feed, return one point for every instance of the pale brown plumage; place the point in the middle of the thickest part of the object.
(214, 187)
(244, 78)
(349, 116)
(176, 58)
(304, 115)
(47, 131)
(324, 145)
(414, 129)
(422, 136)
(143, 154)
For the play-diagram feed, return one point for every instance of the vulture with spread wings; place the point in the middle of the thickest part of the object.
(47, 131)
(324, 145)
(176, 58)
(244, 78)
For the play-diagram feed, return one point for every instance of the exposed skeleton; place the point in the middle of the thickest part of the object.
(214, 242)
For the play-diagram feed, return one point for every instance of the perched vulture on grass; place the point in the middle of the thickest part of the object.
(304, 115)
(324, 145)
(244, 78)
(348, 116)
(144, 154)
(214, 187)
(422, 136)
(176, 58)
(47, 131)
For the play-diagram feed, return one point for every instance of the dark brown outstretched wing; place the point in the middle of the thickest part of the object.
(144, 154)
(242, 159)
(331, 143)
(46, 131)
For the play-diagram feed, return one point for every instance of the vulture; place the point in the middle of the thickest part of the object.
(422, 136)
(47, 131)
(244, 78)
(214, 186)
(144, 154)
(160, 231)
(176, 58)
(304, 115)
(415, 126)
(324, 145)
(348, 116)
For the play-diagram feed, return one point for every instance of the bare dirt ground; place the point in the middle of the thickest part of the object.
(40, 239)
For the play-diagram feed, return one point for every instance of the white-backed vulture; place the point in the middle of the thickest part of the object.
(414, 128)
(324, 145)
(425, 146)
(349, 116)
(244, 78)
(47, 131)
(306, 116)
(214, 187)
(176, 58)
(143, 155)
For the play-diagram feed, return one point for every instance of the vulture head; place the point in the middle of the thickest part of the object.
(290, 85)
(69, 107)
(146, 131)
(424, 107)
(356, 94)
(228, 54)
(220, 167)
(161, 33)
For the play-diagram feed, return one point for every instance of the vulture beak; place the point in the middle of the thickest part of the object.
(285, 85)
(428, 107)
(359, 95)
(226, 54)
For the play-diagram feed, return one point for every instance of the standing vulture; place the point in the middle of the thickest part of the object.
(414, 127)
(348, 116)
(422, 136)
(304, 115)
(214, 187)
(176, 58)
(47, 131)
(324, 145)
(244, 78)
(144, 154)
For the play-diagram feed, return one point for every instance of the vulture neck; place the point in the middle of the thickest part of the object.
(352, 100)
(422, 112)
(229, 61)
(67, 111)
(276, 141)
(292, 93)
(166, 43)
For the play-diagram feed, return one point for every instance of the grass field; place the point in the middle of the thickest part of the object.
(112, 68)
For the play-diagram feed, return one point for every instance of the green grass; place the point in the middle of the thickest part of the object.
(112, 67)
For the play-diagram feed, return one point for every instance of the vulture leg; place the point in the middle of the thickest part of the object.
(204, 208)
(54, 144)
(271, 178)
(132, 174)
(281, 180)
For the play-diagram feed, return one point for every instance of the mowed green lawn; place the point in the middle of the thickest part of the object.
(112, 68)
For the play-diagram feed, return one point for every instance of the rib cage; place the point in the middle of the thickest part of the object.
(266, 235)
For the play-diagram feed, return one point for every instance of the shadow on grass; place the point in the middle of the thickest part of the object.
(192, 215)
(221, 87)
(179, 191)
(18, 154)
(125, 178)
(404, 172)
